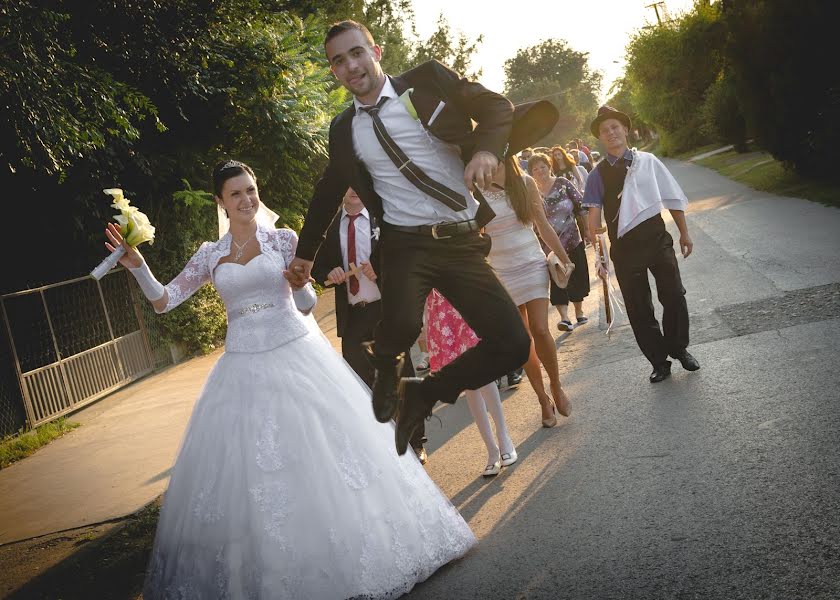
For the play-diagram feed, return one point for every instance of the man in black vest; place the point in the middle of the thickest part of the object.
(632, 187)
(347, 260)
(403, 145)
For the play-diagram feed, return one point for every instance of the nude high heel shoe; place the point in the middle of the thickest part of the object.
(564, 406)
(552, 421)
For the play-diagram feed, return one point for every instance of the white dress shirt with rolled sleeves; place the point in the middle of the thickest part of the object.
(402, 202)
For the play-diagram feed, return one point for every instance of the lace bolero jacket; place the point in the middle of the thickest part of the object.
(258, 319)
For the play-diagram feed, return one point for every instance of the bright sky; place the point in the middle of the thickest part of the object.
(599, 27)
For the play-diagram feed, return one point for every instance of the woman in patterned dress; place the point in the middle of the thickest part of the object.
(447, 337)
(562, 207)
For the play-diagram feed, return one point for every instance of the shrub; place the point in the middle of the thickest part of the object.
(722, 116)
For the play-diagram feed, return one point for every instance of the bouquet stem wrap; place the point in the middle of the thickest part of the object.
(109, 263)
(134, 227)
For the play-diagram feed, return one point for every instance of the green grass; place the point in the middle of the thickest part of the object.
(14, 448)
(760, 171)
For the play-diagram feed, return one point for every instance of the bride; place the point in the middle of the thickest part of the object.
(285, 486)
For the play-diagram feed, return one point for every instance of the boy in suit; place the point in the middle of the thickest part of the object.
(352, 239)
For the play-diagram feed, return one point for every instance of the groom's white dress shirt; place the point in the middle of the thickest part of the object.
(402, 202)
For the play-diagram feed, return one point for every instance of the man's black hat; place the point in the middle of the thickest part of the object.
(608, 112)
(532, 121)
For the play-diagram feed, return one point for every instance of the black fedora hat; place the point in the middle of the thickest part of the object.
(608, 112)
(532, 121)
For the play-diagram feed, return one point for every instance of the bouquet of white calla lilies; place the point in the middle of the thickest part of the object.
(135, 228)
(120, 202)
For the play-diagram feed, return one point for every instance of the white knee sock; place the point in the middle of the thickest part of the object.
(479, 413)
(493, 401)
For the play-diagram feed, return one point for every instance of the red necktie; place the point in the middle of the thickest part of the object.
(351, 253)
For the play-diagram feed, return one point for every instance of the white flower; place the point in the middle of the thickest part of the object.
(120, 202)
(633, 162)
(134, 225)
(139, 229)
(374, 233)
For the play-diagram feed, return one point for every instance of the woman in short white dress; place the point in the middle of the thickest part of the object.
(520, 263)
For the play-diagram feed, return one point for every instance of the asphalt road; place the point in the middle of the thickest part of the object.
(723, 483)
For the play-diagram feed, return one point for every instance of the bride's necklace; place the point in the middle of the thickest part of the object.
(240, 248)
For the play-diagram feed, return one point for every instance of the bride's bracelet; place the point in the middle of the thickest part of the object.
(151, 287)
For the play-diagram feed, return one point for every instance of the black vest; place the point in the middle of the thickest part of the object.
(613, 179)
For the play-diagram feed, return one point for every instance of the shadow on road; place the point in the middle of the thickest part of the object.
(111, 567)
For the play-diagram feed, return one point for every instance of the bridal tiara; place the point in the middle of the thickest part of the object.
(231, 164)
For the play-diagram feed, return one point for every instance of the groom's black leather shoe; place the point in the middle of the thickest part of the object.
(413, 409)
(661, 372)
(385, 397)
(688, 362)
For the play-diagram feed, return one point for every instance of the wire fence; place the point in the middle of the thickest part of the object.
(67, 344)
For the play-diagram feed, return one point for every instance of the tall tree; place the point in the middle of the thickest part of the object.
(553, 71)
(781, 61)
(621, 99)
(669, 74)
(455, 51)
(143, 95)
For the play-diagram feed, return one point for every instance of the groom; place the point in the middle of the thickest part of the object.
(408, 147)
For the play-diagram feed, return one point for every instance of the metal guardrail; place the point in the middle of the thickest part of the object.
(71, 344)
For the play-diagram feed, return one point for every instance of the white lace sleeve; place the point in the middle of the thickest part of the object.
(287, 240)
(286, 243)
(195, 274)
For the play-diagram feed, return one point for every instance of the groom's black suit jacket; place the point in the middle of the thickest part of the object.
(330, 257)
(473, 117)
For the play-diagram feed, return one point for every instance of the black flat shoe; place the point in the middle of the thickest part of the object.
(661, 372)
(688, 362)
(413, 409)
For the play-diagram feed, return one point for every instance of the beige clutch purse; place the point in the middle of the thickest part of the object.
(560, 272)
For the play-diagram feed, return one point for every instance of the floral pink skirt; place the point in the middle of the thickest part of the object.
(447, 334)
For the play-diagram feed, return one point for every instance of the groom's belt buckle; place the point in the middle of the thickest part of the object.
(437, 235)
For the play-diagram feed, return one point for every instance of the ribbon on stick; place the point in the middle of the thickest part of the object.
(612, 302)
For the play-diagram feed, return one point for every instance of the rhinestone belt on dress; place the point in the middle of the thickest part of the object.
(254, 308)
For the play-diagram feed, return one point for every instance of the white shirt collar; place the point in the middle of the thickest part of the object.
(363, 212)
(387, 90)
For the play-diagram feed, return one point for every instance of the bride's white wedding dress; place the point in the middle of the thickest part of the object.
(285, 485)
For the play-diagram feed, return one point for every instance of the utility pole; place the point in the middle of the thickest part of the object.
(655, 6)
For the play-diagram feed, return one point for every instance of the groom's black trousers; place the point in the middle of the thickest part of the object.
(410, 266)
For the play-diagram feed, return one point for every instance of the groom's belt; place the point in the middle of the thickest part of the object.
(439, 231)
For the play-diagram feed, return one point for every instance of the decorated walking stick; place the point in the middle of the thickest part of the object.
(602, 258)
(612, 302)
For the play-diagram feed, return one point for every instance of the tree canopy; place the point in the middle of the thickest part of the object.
(147, 95)
(553, 71)
(730, 71)
(670, 67)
